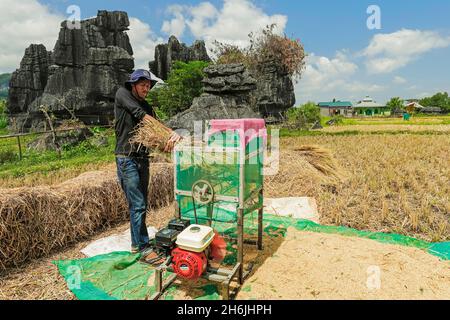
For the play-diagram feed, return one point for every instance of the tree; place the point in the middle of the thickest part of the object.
(303, 117)
(183, 85)
(395, 105)
(440, 100)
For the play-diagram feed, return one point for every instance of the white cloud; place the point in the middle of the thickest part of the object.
(361, 88)
(143, 41)
(27, 21)
(327, 78)
(388, 52)
(399, 80)
(320, 70)
(230, 24)
(23, 23)
(177, 25)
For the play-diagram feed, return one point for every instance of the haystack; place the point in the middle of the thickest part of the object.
(35, 221)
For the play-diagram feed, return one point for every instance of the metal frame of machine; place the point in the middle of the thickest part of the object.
(221, 275)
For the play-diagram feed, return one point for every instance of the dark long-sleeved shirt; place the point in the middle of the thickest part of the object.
(128, 112)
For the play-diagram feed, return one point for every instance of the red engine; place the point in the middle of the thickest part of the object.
(187, 264)
(218, 248)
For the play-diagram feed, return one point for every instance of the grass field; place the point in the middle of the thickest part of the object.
(374, 121)
(48, 167)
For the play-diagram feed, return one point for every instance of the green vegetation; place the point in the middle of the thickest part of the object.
(303, 117)
(184, 84)
(85, 153)
(395, 105)
(284, 132)
(417, 119)
(440, 100)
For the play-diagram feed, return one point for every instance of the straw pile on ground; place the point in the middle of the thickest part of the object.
(40, 279)
(303, 171)
(320, 159)
(35, 221)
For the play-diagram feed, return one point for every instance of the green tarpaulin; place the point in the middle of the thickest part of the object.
(120, 275)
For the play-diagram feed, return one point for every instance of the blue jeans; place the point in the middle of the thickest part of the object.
(133, 174)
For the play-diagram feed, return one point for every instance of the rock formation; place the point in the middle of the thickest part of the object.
(227, 95)
(275, 90)
(29, 81)
(88, 64)
(166, 54)
(82, 73)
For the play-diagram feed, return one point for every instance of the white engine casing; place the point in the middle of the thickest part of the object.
(195, 238)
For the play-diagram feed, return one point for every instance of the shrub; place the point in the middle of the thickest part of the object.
(184, 84)
(7, 156)
(303, 117)
(440, 100)
(265, 46)
(336, 120)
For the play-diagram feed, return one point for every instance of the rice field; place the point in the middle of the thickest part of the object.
(390, 128)
(388, 183)
(414, 120)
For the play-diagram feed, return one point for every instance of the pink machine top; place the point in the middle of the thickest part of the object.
(248, 128)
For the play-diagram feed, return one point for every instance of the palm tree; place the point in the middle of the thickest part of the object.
(395, 105)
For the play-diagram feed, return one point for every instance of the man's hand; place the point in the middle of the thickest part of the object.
(174, 138)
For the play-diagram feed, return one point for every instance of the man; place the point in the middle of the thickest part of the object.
(130, 108)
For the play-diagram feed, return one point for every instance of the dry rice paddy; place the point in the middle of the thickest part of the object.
(390, 183)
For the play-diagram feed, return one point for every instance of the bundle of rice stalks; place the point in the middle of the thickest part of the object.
(36, 221)
(321, 159)
(151, 134)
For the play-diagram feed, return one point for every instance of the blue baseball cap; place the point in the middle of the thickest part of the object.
(141, 74)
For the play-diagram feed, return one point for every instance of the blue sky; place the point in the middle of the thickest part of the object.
(407, 57)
